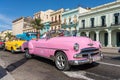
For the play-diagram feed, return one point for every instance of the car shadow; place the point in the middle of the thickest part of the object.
(1, 49)
(16, 64)
(73, 68)
(15, 52)
(45, 60)
(116, 58)
(84, 66)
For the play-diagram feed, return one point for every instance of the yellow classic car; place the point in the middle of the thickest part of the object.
(13, 46)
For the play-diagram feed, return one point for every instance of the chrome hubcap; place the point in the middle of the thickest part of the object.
(27, 53)
(60, 61)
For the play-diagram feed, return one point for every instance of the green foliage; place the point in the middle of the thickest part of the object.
(8, 35)
(36, 24)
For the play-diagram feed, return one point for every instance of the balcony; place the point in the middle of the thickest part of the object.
(93, 27)
(55, 22)
(103, 25)
(70, 25)
(115, 24)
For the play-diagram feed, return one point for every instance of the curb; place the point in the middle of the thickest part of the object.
(110, 50)
(5, 75)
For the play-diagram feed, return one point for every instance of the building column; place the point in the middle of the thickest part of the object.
(97, 35)
(87, 34)
(109, 39)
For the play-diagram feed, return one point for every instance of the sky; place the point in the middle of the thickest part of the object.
(13, 9)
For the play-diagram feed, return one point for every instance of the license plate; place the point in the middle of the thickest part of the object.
(96, 58)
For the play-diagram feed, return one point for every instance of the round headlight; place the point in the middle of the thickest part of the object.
(76, 46)
(16, 45)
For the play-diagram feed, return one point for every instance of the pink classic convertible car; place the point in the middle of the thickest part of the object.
(64, 49)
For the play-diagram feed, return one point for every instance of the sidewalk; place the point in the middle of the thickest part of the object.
(5, 75)
(111, 50)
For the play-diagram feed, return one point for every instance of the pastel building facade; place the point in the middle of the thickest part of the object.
(56, 16)
(70, 20)
(102, 23)
(46, 19)
(21, 25)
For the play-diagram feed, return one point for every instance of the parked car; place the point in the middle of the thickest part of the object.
(65, 50)
(26, 36)
(1, 44)
(118, 50)
(13, 46)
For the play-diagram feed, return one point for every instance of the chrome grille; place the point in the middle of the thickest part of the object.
(86, 52)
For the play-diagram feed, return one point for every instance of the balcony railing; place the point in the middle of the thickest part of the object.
(93, 27)
(57, 21)
(115, 24)
(71, 24)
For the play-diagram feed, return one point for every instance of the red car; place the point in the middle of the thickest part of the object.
(1, 44)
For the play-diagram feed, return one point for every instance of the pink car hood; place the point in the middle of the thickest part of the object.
(84, 42)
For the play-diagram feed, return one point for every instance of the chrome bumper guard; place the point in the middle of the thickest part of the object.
(87, 60)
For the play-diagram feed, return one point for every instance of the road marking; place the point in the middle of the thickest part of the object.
(109, 64)
(77, 74)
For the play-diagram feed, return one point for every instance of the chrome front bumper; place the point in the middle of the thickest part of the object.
(86, 60)
(18, 49)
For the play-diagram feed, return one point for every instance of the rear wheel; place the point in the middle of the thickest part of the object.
(27, 55)
(12, 51)
(4, 49)
(61, 61)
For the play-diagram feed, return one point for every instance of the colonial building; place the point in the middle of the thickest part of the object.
(21, 25)
(70, 18)
(56, 19)
(102, 23)
(46, 19)
(43, 15)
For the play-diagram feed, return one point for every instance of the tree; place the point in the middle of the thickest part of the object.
(36, 24)
(8, 35)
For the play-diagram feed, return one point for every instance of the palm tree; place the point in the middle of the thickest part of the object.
(36, 24)
(8, 35)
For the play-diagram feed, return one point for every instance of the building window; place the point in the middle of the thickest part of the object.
(47, 16)
(69, 20)
(75, 19)
(52, 19)
(83, 24)
(58, 27)
(55, 18)
(92, 22)
(103, 19)
(64, 20)
(55, 28)
(59, 18)
(116, 16)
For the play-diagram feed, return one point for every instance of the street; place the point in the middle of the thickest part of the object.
(43, 69)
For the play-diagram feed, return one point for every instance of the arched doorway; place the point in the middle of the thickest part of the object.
(104, 38)
(92, 35)
(116, 38)
(83, 34)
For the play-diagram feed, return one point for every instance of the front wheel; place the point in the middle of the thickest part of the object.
(12, 51)
(27, 55)
(61, 61)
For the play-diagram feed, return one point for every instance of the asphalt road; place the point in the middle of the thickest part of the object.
(42, 69)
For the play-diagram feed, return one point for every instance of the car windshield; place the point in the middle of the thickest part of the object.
(31, 34)
(57, 33)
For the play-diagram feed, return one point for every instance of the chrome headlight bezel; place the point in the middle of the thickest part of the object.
(16, 45)
(76, 47)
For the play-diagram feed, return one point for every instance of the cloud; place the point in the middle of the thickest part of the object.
(5, 27)
(5, 19)
(5, 22)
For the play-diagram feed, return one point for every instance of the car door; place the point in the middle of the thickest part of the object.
(42, 48)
